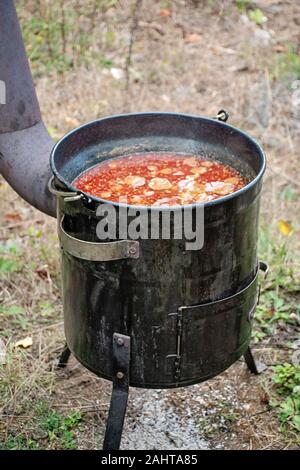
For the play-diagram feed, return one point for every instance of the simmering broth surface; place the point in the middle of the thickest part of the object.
(160, 179)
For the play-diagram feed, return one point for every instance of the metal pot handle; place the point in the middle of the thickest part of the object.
(222, 115)
(92, 251)
(262, 266)
(67, 195)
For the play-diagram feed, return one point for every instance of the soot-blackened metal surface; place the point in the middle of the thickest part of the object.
(136, 298)
(143, 298)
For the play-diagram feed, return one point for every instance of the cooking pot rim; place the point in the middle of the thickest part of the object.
(214, 202)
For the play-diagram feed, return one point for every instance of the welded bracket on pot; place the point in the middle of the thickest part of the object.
(102, 251)
(177, 355)
(119, 397)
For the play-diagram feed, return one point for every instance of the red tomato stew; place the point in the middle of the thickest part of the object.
(160, 179)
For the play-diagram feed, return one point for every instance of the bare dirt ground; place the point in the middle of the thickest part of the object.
(195, 57)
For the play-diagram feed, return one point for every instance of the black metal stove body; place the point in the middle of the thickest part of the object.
(186, 315)
(185, 321)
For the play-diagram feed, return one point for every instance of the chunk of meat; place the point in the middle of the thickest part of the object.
(203, 197)
(105, 194)
(191, 185)
(226, 189)
(166, 171)
(206, 164)
(159, 183)
(186, 184)
(192, 161)
(199, 170)
(137, 199)
(168, 201)
(219, 187)
(135, 181)
(234, 180)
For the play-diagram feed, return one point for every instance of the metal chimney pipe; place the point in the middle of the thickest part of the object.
(25, 144)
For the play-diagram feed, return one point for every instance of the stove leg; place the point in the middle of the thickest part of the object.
(254, 366)
(119, 397)
(64, 357)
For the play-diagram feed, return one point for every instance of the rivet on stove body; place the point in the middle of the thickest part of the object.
(120, 375)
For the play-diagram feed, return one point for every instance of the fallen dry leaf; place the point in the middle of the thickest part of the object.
(192, 38)
(285, 227)
(42, 273)
(280, 48)
(72, 121)
(219, 50)
(14, 216)
(165, 12)
(24, 343)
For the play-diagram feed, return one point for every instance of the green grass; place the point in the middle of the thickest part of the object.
(287, 380)
(19, 443)
(257, 16)
(26, 262)
(60, 429)
(60, 35)
(243, 5)
(279, 308)
(286, 65)
(10, 258)
(47, 429)
(220, 421)
(16, 315)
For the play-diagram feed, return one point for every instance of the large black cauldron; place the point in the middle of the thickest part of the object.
(187, 313)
